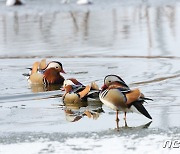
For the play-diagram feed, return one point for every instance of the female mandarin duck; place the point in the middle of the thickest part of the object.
(46, 74)
(76, 91)
(118, 96)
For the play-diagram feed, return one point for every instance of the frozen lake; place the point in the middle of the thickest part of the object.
(138, 40)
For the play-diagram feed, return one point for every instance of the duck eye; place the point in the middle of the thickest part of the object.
(109, 81)
(56, 67)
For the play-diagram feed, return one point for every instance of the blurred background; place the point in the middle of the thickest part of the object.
(118, 27)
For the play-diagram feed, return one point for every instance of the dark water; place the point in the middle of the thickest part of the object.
(138, 40)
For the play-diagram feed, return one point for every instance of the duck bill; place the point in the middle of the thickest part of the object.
(104, 87)
(62, 71)
(62, 89)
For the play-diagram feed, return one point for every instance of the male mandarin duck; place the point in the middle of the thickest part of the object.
(76, 91)
(46, 74)
(74, 94)
(118, 96)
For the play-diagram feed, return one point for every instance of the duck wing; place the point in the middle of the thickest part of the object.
(139, 106)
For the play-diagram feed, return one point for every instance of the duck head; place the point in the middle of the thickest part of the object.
(113, 80)
(68, 88)
(57, 65)
(71, 81)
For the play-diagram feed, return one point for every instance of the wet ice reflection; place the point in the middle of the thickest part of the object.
(141, 30)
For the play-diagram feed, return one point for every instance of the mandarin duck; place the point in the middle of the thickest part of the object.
(118, 96)
(90, 92)
(75, 94)
(46, 74)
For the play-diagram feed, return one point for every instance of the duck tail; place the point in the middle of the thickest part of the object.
(138, 105)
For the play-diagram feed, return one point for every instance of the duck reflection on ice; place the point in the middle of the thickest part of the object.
(75, 111)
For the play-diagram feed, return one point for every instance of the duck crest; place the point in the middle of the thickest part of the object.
(114, 78)
(55, 64)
